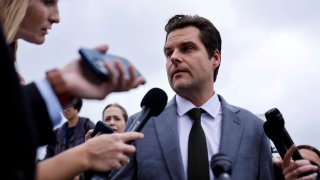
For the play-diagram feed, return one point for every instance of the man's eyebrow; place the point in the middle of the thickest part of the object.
(181, 44)
(166, 48)
(188, 43)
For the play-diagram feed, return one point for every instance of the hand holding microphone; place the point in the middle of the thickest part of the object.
(275, 130)
(152, 104)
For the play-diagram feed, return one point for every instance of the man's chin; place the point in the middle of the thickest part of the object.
(179, 86)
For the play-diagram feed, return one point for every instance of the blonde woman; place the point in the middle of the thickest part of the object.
(34, 109)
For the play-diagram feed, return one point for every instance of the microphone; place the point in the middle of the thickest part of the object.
(221, 166)
(152, 104)
(275, 130)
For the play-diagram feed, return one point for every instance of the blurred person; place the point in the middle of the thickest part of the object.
(72, 132)
(115, 116)
(289, 169)
(34, 108)
(193, 56)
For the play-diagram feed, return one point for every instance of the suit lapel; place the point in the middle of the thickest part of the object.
(231, 131)
(167, 133)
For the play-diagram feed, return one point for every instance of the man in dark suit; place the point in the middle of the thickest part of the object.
(193, 53)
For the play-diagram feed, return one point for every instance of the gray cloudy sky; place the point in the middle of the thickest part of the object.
(270, 52)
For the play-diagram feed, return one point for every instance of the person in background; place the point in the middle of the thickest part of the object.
(293, 170)
(72, 132)
(193, 55)
(34, 109)
(115, 116)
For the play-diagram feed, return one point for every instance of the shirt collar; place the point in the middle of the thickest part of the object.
(212, 106)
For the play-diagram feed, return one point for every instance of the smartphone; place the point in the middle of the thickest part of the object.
(102, 128)
(95, 59)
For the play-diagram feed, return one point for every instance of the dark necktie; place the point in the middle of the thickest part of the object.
(198, 163)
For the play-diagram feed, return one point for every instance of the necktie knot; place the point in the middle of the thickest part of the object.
(195, 114)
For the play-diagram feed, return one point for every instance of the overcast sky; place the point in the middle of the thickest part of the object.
(270, 52)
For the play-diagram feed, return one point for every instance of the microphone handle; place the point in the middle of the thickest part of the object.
(288, 143)
(281, 148)
(224, 176)
(296, 155)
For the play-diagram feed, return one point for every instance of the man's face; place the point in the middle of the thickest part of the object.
(189, 68)
(70, 113)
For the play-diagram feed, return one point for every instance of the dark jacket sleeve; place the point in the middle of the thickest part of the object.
(18, 137)
(50, 149)
(44, 128)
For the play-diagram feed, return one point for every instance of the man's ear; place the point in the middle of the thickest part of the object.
(216, 59)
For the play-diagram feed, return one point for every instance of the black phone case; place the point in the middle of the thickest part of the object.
(102, 128)
(95, 61)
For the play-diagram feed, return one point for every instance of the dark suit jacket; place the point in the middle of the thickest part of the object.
(27, 124)
(158, 154)
(78, 137)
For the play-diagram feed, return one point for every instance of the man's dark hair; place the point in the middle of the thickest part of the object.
(78, 104)
(209, 35)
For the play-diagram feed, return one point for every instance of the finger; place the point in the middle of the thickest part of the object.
(132, 73)
(298, 167)
(88, 134)
(305, 167)
(121, 74)
(290, 175)
(124, 159)
(294, 173)
(110, 71)
(102, 48)
(135, 81)
(311, 176)
(138, 81)
(288, 155)
(130, 136)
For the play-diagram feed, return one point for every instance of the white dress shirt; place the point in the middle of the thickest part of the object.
(210, 122)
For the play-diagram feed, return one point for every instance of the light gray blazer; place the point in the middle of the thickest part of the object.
(158, 155)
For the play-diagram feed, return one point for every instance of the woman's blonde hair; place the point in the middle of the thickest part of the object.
(12, 13)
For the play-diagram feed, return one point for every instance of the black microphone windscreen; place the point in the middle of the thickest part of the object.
(156, 99)
(220, 163)
(275, 118)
